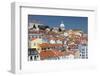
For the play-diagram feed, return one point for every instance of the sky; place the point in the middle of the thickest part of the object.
(70, 22)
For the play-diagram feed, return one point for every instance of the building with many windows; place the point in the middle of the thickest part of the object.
(33, 54)
(83, 51)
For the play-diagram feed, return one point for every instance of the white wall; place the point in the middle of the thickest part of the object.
(5, 33)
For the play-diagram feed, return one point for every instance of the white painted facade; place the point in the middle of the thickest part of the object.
(83, 51)
(58, 41)
(52, 41)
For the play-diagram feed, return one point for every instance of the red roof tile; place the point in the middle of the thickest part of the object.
(43, 45)
(34, 39)
(50, 54)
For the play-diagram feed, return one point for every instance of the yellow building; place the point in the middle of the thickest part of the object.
(34, 42)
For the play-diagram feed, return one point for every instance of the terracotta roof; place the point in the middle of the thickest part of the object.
(52, 33)
(32, 31)
(50, 54)
(43, 45)
(34, 39)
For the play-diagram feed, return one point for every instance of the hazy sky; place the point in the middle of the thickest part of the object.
(70, 22)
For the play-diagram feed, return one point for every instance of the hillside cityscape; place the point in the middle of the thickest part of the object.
(47, 42)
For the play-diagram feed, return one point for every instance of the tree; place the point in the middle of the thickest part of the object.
(34, 26)
(59, 30)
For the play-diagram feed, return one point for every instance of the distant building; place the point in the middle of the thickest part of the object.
(65, 34)
(72, 46)
(35, 24)
(83, 51)
(35, 35)
(77, 54)
(59, 41)
(33, 54)
(62, 26)
(84, 39)
(47, 29)
(55, 29)
(34, 43)
(70, 56)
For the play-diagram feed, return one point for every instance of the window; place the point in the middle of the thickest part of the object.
(35, 57)
(34, 44)
(83, 55)
(38, 49)
(31, 58)
(86, 54)
(39, 36)
(33, 36)
(83, 52)
(86, 57)
(42, 48)
(36, 37)
(82, 49)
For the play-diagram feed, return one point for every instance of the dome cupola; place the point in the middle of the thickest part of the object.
(62, 25)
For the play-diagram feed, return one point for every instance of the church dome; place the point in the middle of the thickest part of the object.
(62, 25)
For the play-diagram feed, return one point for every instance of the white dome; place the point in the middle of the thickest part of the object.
(62, 24)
